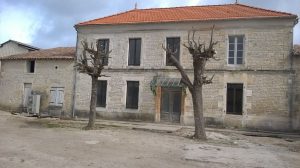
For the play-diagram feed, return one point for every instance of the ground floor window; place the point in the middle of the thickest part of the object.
(57, 96)
(132, 97)
(101, 93)
(234, 98)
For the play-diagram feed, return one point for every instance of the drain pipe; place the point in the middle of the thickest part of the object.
(75, 79)
(291, 84)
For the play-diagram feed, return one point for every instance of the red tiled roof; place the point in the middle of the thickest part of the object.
(188, 13)
(52, 53)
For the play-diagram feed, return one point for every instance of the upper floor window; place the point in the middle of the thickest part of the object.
(134, 57)
(30, 66)
(174, 44)
(101, 93)
(236, 49)
(103, 44)
(132, 97)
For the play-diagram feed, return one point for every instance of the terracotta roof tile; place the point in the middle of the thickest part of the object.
(52, 53)
(188, 13)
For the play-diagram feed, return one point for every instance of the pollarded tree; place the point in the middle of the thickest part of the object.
(92, 62)
(200, 54)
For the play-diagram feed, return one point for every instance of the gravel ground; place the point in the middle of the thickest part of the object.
(47, 143)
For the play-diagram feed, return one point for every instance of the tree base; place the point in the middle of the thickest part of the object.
(88, 127)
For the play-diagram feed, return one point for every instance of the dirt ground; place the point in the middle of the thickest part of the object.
(47, 143)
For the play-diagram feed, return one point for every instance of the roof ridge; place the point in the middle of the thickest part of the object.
(254, 7)
(186, 6)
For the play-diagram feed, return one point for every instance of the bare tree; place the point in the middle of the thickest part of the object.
(200, 55)
(91, 62)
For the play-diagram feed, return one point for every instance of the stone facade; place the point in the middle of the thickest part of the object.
(48, 73)
(265, 74)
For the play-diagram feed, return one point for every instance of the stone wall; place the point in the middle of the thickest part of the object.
(264, 73)
(48, 73)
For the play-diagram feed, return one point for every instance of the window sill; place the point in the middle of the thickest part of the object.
(236, 66)
(128, 110)
(134, 67)
(101, 109)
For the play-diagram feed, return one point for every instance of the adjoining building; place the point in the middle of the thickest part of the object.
(48, 73)
(12, 47)
(254, 85)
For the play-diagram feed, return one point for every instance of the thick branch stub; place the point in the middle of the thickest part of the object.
(170, 55)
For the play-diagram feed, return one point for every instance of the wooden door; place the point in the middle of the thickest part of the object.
(171, 105)
(27, 93)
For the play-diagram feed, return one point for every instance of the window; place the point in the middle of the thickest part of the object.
(101, 93)
(235, 99)
(134, 52)
(57, 96)
(103, 44)
(30, 66)
(236, 49)
(174, 44)
(132, 97)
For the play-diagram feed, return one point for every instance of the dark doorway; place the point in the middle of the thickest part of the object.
(235, 99)
(171, 105)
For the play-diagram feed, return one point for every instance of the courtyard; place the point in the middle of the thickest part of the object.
(45, 143)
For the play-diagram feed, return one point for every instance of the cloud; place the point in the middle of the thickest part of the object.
(15, 22)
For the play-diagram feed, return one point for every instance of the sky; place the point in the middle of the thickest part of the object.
(50, 23)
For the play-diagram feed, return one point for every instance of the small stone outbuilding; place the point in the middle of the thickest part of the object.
(48, 73)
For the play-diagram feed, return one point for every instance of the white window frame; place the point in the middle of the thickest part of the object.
(235, 50)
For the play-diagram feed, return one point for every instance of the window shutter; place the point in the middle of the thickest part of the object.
(132, 98)
(174, 44)
(60, 96)
(134, 55)
(103, 44)
(131, 52)
(52, 96)
(101, 93)
(177, 47)
(137, 52)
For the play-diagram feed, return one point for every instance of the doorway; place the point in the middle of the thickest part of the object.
(171, 105)
(234, 99)
(27, 93)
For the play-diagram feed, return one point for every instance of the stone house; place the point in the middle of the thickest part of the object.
(254, 84)
(12, 47)
(48, 73)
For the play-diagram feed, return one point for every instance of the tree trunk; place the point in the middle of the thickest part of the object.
(198, 113)
(92, 115)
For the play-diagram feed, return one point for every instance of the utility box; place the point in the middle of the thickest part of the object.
(33, 106)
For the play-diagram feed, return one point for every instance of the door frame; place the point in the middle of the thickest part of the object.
(158, 104)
